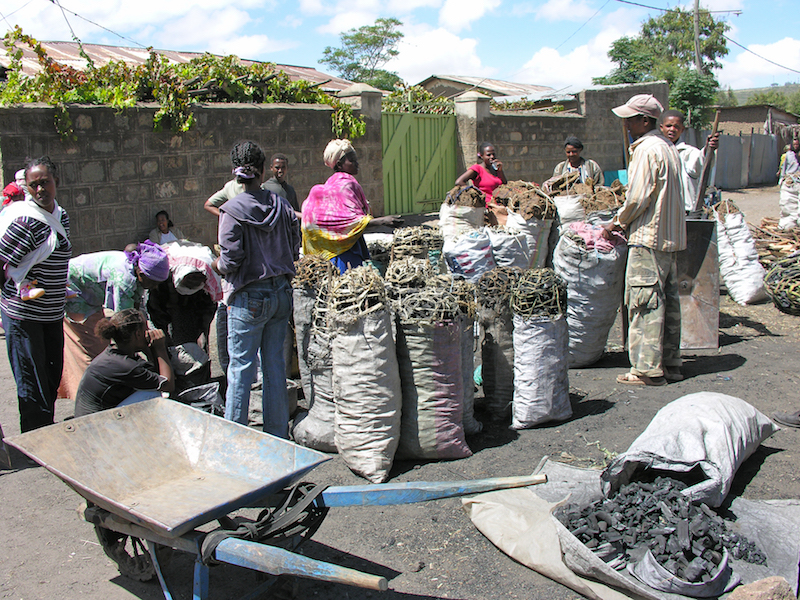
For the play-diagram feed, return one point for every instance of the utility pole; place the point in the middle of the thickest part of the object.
(698, 63)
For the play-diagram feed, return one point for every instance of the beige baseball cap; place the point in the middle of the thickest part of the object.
(640, 104)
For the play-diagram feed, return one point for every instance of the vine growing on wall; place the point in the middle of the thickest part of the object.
(176, 87)
(416, 99)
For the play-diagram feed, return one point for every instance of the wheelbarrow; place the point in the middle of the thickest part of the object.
(156, 475)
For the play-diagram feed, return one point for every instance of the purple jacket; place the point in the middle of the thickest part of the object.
(259, 236)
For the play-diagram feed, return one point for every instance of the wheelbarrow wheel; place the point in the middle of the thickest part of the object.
(131, 554)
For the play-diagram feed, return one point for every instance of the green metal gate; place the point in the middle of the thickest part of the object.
(419, 160)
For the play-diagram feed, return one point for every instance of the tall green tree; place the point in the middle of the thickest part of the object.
(782, 100)
(664, 48)
(693, 93)
(364, 51)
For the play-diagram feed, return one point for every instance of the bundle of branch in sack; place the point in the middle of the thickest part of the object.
(539, 292)
(380, 250)
(594, 198)
(429, 306)
(358, 292)
(526, 199)
(772, 242)
(782, 285)
(415, 242)
(463, 290)
(467, 195)
(311, 270)
(564, 183)
(494, 287)
(409, 272)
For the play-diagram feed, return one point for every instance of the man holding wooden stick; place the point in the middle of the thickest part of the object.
(654, 221)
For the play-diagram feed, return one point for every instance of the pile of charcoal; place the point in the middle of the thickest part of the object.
(688, 540)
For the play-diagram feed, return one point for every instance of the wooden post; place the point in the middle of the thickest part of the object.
(708, 153)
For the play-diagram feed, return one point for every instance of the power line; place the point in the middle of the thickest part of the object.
(5, 17)
(673, 10)
(582, 26)
(759, 56)
(96, 25)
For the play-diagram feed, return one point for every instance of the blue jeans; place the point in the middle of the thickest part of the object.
(257, 318)
(36, 355)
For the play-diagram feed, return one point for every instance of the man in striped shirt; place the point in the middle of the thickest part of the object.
(654, 221)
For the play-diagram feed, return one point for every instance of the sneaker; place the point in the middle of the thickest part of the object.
(71, 294)
(28, 292)
(787, 419)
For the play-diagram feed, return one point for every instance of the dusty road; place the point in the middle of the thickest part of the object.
(431, 551)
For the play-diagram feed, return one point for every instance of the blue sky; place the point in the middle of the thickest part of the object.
(558, 43)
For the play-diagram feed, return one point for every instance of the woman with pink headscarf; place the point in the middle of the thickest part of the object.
(104, 281)
(336, 213)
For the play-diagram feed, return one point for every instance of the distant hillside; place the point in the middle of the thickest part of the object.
(743, 95)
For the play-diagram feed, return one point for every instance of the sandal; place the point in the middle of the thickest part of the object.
(787, 419)
(631, 379)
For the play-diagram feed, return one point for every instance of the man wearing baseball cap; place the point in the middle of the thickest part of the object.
(654, 221)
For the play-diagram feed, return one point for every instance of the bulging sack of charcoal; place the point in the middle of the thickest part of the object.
(569, 208)
(532, 213)
(429, 355)
(594, 270)
(738, 258)
(461, 212)
(509, 249)
(465, 295)
(366, 377)
(471, 256)
(713, 432)
(541, 382)
(497, 346)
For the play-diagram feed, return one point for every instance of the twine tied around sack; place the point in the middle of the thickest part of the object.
(409, 272)
(428, 306)
(782, 284)
(539, 292)
(494, 288)
(356, 293)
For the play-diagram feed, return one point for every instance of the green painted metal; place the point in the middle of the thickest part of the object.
(419, 160)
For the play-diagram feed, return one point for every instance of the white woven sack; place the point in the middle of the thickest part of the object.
(738, 259)
(541, 381)
(595, 283)
(708, 430)
(471, 256)
(366, 386)
(569, 208)
(509, 249)
(455, 221)
(537, 232)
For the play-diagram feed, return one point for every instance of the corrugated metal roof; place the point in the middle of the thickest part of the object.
(495, 87)
(67, 53)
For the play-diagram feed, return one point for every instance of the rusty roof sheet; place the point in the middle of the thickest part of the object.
(67, 53)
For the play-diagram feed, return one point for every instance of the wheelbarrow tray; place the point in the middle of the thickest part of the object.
(166, 466)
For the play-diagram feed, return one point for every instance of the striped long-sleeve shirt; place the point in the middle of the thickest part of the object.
(24, 235)
(653, 214)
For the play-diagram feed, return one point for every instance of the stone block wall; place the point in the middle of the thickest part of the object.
(118, 172)
(532, 144)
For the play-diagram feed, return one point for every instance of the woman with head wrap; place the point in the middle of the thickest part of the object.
(118, 375)
(110, 281)
(336, 213)
(586, 168)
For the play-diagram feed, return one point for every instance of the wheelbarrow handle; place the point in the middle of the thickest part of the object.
(277, 561)
(384, 494)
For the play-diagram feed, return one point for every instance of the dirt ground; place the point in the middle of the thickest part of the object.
(431, 550)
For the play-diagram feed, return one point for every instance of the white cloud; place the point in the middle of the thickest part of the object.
(564, 10)
(573, 71)
(345, 21)
(745, 70)
(425, 52)
(456, 15)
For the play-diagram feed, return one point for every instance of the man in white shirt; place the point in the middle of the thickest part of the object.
(692, 159)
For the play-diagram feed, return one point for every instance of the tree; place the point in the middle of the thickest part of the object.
(665, 48)
(364, 51)
(726, 98)
(693, 93)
